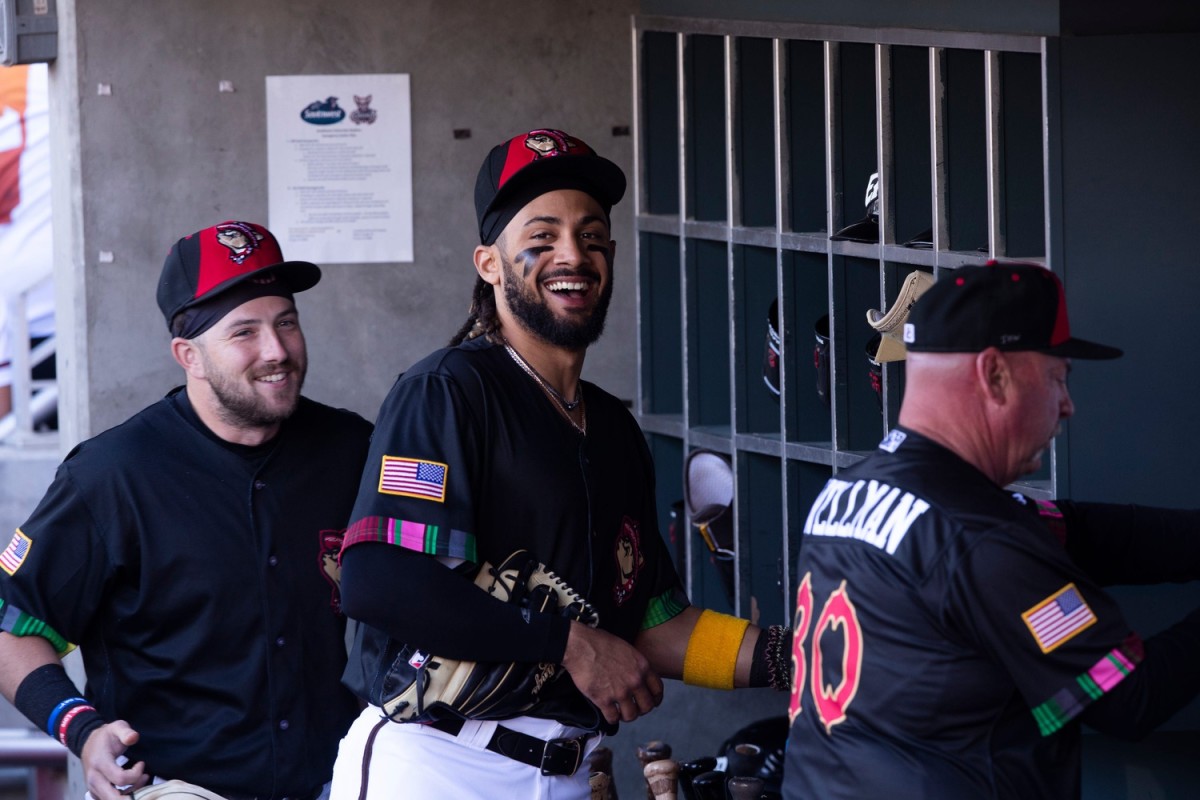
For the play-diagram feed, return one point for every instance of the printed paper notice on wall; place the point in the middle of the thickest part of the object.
(339, 167)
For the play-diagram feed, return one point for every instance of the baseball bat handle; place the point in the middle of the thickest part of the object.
(663, 779)
(599, 783)
(655, 750)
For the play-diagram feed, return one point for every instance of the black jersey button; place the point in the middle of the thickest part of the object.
(283, 725)
(280, 642)
(273, 561)
(260, 484)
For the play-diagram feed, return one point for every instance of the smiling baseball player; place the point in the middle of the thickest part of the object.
(493, 458)
(183, 552)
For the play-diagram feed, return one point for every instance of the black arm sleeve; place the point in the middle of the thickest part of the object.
(1130, 544)
(1164, 682)
(415, 599)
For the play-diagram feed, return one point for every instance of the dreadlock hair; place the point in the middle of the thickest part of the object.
(482, 319)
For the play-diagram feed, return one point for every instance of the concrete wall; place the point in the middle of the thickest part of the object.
(167, 154)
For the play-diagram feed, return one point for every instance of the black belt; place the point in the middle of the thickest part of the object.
(555, 757)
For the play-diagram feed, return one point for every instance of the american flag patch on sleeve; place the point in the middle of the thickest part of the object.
(410, 477)
(1058, 618)
(14, 555)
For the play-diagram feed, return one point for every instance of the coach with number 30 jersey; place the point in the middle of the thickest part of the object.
(950, 636)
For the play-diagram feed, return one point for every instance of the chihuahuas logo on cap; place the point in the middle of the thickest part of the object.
(240, 238)
(547, 142)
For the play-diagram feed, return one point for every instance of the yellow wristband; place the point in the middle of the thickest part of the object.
(712, 650)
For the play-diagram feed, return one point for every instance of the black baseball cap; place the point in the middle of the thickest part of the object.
(208, 264)
(1010, 306)
(533, 163)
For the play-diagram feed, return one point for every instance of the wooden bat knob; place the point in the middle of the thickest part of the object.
(652, 751)
(599, 783)
(661, 777)
(743, 787)
(744, 759)
(600, 760)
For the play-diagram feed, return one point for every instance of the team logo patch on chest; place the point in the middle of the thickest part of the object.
(628, 552)
(1059, 617)
(331, 566)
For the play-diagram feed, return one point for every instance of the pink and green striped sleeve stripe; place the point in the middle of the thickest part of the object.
(1106, 673)
(436, 540)
(18, 623)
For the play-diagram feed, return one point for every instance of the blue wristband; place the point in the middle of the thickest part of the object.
(52, 721)
(51, 701)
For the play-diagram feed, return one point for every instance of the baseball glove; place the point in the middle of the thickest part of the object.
(422, 687)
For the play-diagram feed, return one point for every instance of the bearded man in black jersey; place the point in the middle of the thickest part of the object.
(493, 445)
(182, 551)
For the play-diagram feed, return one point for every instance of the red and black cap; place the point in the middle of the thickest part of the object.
(1009, 306)
(208, 264)
(533, 163)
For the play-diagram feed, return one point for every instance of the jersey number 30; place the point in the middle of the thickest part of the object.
(830, 701)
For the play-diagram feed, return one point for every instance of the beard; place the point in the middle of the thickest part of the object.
(537, 318)
(241, 407)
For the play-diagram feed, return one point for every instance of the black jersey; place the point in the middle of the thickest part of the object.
(944, 640)
(199, 580)
(471, 461)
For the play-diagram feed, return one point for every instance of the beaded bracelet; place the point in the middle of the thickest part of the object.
(779, 661)
(772, 661)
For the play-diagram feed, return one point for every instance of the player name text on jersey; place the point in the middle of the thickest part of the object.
(870, 511)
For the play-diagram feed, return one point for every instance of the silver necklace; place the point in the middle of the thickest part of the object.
(567, 405)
